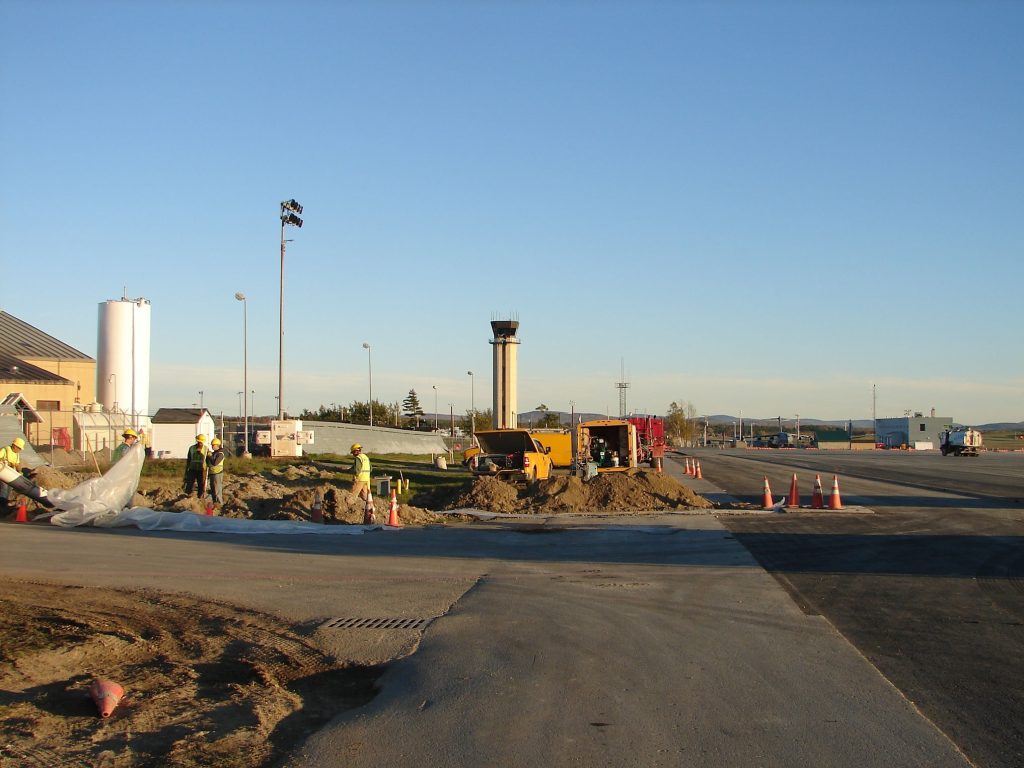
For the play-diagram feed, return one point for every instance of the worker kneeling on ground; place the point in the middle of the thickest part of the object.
(215, 468)
(131, 437)
(10, 455)
(360, 472)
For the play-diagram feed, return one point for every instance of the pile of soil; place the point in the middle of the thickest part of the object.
(636, 490)
(218, 686)
(286, 493)
(290, 492)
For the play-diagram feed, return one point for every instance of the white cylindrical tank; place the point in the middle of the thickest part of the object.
(122, 358)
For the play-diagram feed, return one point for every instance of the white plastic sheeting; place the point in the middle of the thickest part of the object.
(103, 501)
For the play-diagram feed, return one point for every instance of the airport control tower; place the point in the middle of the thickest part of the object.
(506, 380)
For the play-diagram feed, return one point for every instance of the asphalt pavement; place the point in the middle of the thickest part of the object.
(569, 640)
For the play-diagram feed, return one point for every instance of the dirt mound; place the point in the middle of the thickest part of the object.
(218, 685)
(286, 493)
(632, 491)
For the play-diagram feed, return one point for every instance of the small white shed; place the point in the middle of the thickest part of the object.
(175, 429)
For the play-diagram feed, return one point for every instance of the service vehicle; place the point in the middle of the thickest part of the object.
(511, 454)
(558, 442)
(610, 444)
(650, 436)
(960, 441)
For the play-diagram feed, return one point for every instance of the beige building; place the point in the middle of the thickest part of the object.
(51, 377)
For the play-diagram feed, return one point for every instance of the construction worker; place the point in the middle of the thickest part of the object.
(131, 437)
(147, 443)
(195, 467)
(10, 455)
(215, 469)
(360, 472)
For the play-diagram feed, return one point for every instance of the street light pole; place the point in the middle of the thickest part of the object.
(369, 369)
(245, 368)
(289, 209)
(435, 406)
(472, 403)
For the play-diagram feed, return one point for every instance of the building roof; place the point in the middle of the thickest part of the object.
(20, 339)
(14, 369)
(178, 415)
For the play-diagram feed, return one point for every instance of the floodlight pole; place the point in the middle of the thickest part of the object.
(288, 210)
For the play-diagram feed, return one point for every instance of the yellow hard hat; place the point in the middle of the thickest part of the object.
(200, 438)
(356, 447)
(129, 433)
(215, 441)
(19, 443)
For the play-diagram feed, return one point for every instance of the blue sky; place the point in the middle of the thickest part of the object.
(756, 207)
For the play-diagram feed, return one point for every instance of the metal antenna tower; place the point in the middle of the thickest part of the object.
(622, 386)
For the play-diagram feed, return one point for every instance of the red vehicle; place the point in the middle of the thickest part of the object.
(650, 436)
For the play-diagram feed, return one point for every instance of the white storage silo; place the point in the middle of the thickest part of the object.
(122, 358)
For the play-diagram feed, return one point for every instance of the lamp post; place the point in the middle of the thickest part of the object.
(472, 403)
(289, 209)
(245, 368)
(369, 371)
(435, 406)
(113, 377)
(252, 402)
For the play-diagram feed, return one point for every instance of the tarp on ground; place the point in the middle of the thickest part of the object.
(103, 502)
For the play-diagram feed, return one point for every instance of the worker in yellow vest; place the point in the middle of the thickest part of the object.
(360, 472)
(215, 470)
(10, 455)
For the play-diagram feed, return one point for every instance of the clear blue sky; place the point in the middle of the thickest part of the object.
(759, 207)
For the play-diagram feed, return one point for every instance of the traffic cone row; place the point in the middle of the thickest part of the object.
(817, 497)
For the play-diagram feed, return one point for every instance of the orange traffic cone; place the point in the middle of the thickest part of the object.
(657, 466)
(22, 516)
(393, 520)
(697, 475)
(369, 518)
(767, 502)
(209, 509)
(794, 494)
(107, 695)
(317, 516)
(817, 498)
(834, 502)
(690, 471)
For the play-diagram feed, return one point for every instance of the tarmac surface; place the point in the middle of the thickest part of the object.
(630, 640)
(928, 586)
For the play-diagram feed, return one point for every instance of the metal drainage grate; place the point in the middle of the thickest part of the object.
(376, 623)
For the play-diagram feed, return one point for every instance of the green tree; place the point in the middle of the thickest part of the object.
(681, 423)
(474, 422)
(411, 407)
(359, 413)
(547, 419)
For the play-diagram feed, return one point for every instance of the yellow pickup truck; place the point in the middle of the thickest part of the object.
(510, 454)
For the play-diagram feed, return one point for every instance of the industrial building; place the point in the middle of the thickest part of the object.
(917, 431)
(43, 380)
